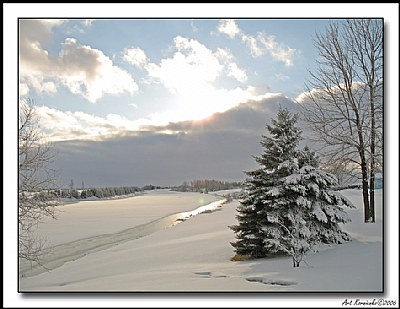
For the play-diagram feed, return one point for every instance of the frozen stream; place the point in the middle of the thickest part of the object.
(56, 256)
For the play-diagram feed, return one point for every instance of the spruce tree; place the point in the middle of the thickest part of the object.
(289, 206)
(279, 146)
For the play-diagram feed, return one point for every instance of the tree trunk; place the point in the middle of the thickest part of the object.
(364, 167)
(365, 190)
(296, 262)
(372, 195)
(372, 176)
(364, 174)
(372, 167)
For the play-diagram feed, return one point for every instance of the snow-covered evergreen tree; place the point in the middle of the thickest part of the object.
(289, 206)
(278, 147)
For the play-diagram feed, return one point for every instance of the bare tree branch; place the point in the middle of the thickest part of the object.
(36, 178)
(344, 104)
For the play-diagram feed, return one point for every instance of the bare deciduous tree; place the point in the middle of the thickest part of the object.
(344, 104)
(36, 178)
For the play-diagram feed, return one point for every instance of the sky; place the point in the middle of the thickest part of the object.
(106, 91)
(131, 101)
(96, 77)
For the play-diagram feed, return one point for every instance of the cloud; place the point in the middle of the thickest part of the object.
(232, 69)
(277, 50)
(88, 22)
(228, 27)
(325, 94)
(259, 45)
(282, 77)
(220, 147)
(190, 74)
(84, 70)
(66, 125)
(194, 60)
(90, 73)
(305, 96)
(194, 28)
(135, 56)
(249, 116)
(59, 125)
(78, 26)
(158, 159)
(23, 89)
(40, 83)
(252, 43)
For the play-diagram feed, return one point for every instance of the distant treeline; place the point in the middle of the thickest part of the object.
(202, 185)
(207, 185)
(95, 192)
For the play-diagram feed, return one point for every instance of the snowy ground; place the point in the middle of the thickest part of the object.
(90, 218)
(194, 255)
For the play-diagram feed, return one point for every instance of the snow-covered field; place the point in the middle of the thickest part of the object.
(194, 255)
(90, 218)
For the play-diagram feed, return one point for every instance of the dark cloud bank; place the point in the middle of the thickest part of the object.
(220, 148)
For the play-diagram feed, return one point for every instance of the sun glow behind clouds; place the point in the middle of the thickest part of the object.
(189, 74)
(62, 126)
